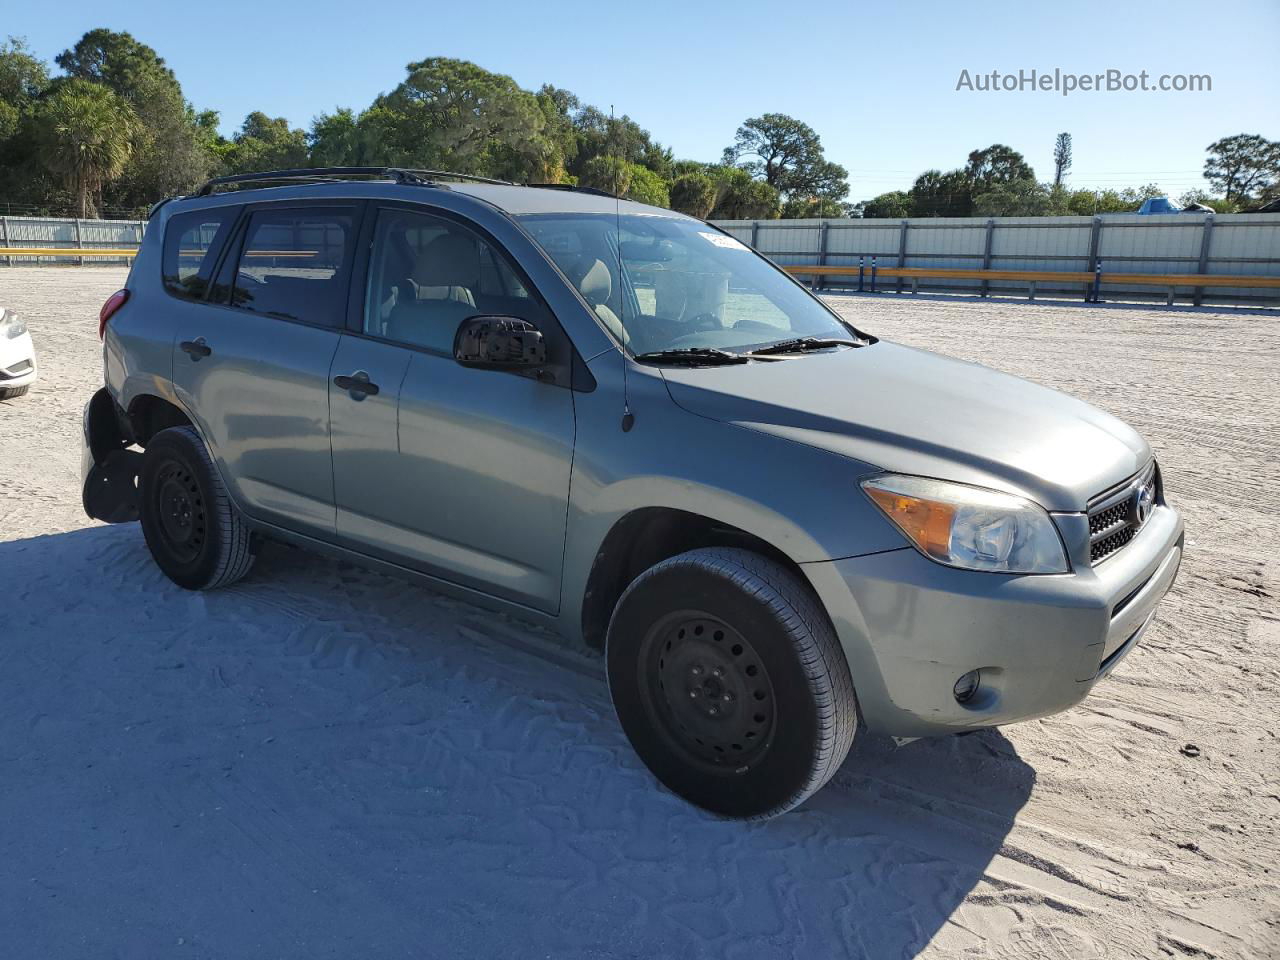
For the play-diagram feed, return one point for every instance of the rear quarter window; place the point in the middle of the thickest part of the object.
(191, 244)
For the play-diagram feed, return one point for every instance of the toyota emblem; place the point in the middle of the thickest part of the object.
(1144, 500)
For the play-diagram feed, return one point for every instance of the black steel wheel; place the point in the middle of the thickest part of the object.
(180, 509)
(714, 699)
(192, 528)
(729, 681)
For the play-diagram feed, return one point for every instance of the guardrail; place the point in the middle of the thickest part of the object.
(1091, 281)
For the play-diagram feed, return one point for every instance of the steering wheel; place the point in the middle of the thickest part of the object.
(705, 321)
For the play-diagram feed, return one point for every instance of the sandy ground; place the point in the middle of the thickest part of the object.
(325, 762)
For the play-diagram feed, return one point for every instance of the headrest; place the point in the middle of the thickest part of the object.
(450, 260)
(596, 284)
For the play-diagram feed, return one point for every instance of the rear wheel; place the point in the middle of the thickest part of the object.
(192, 528)
(730, 683)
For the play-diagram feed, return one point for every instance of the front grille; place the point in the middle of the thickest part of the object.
(1110, 544)
(1113, 520)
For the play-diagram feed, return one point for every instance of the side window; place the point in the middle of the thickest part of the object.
(428, 274)
(294, 264)
(191, 244)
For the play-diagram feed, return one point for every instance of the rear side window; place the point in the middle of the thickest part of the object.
(294, 265)
(191, 244)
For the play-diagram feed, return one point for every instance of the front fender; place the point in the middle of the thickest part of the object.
(802, 500)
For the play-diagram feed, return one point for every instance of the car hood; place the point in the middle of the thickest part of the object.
(910, 411)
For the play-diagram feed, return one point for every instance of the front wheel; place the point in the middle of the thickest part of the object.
(730, 683)
(194, 531)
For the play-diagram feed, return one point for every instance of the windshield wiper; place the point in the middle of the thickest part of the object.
(800, 344)
(692, 356)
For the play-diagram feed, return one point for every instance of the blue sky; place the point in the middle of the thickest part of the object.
(878, 82)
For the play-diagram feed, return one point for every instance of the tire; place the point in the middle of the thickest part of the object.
(12, 393)
(194, 531)
(766, 731)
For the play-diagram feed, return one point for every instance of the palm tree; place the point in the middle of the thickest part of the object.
(86, 136)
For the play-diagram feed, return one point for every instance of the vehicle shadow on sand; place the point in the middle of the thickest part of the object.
(323, 760)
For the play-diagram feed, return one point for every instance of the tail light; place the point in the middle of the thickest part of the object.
(114, 303)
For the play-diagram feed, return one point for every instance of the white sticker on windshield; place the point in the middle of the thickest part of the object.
(722, 240)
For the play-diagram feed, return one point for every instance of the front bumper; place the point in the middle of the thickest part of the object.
(18, 366)
(910, 628)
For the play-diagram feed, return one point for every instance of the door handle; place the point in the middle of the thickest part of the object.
(196, 348)
(357, 384)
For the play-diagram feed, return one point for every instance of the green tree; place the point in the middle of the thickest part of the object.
(1017, 198)
(786, 154)
(558, 107)
(171, 153)
(1242, 166)
(451, 114)
(86, 136)
(693, 193)
(610, 174)
(23, 77)
(1087, 203)
(1061, 157)
(599, 134)
(341, 139)
(647, 187)
(894, 205)
(739, 196)
(938, 194)
(800, 208)
(996, 164)
(625, 179)
(266, 143)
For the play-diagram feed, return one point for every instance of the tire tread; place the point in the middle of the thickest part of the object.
(813, 639)
(235, 541)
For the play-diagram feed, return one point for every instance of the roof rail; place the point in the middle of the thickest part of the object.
(574, 188)
(426, 178)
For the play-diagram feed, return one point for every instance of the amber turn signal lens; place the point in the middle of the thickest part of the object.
(926, 522)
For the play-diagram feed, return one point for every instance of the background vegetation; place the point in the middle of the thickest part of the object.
(111, 133)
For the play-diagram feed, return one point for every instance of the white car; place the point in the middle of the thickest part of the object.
(17, 356)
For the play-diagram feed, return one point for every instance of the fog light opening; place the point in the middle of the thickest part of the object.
(967, 686)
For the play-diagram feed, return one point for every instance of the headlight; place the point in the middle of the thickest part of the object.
(970, 527)
(11, 326)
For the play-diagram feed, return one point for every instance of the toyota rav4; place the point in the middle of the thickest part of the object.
(624, 423)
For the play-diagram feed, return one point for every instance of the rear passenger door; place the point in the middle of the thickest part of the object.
(251, 360)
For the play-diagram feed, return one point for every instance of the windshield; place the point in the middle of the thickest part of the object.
(662, 283)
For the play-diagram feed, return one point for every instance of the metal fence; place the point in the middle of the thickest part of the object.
(1223, 244)
(68, 235)
(1218, 245)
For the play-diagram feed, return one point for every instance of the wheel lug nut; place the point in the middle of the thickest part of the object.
(696, 670)
(728, 697)
(717, 672)
(713, 710)
(693, 694)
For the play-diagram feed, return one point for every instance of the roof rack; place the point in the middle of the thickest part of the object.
(573, 187)
(403, 175)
